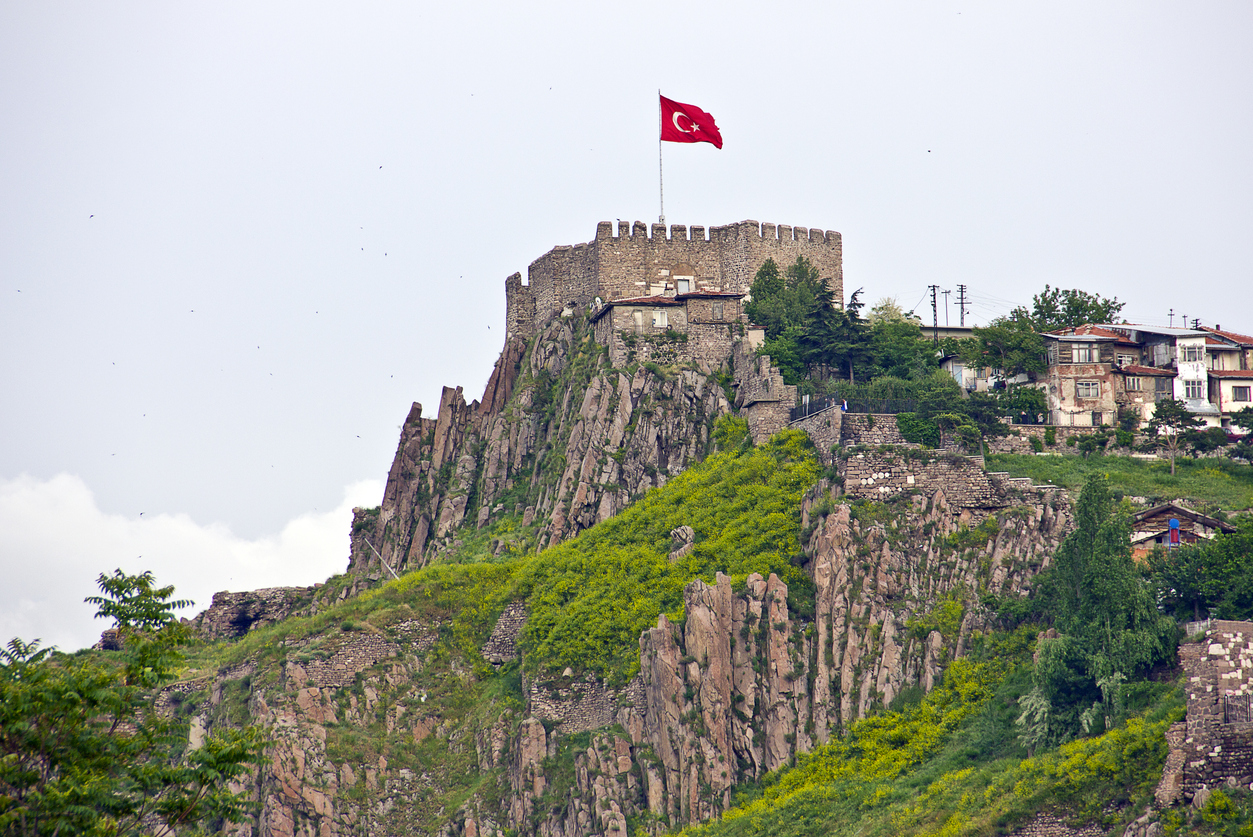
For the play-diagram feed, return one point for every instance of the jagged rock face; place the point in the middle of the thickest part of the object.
(754, 674)
(559, 438)
(232, 615)
(744, 683)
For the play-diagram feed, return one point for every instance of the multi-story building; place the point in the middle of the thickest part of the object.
(1096, 371)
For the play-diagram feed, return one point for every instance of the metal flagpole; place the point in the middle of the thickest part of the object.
(661, 182)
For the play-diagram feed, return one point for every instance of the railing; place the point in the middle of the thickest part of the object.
(809, 405)
(1237, 709)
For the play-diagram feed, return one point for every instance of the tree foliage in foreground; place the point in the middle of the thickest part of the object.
(1107, 626)
(83, 748)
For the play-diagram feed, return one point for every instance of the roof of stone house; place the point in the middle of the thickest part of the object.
(1177, 510)
(1220, 344)
(658, 301)
(1230, 335)
(1135, 369)
(1231, 373)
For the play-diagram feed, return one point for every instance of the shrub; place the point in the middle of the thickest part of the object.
(1037, 445)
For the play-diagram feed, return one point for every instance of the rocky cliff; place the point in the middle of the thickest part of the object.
(561, 440)
(398, 721)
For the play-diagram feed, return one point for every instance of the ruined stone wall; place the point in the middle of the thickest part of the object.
(1215, 746)
(519, 309)
(765, 401)
(232, 615)
(502, 645)
(884, 474)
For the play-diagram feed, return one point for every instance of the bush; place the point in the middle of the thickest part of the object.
(1050, 436)
(1037, 445)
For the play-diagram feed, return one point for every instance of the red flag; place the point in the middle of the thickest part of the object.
(687, 123)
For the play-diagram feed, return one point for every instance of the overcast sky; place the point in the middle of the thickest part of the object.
(238, 239)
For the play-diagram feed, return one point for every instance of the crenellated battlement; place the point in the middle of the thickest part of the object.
(636, 260)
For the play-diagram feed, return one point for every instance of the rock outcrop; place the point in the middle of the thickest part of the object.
(560, 438)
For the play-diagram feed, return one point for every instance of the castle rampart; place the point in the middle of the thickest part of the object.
(638, 262)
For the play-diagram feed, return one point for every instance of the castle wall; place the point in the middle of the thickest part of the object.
(637, 262)
(519, 309)
(1214, 747)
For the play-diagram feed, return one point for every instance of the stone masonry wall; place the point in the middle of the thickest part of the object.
(885, 474)
(621, 266)
(1217, 744)
(871, 429)
(502, 645)
(825, 430)
(1022, 442)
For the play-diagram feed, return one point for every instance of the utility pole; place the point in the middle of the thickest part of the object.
(961, 305)
(1196, 322)
(1172, 318)
(946, 293)
(935, 315)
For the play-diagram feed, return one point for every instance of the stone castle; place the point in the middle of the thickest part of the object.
(637, 264)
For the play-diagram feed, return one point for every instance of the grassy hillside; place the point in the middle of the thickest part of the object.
(1213, 483)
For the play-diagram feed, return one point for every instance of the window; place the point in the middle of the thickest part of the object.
(1192, 389)
(638, 317)
(661, 319)
(1126, 360)
(1052, 353)
(1087, 389)
(1132, 384)
(1085, 353)
(684, 284)
(717, 306)
(1191, 354)
(1240, 393)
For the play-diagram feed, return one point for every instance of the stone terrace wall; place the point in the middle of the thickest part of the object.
(352, 657)
(579, 705)
(1022, 442)
(882, 475)
(871, 429)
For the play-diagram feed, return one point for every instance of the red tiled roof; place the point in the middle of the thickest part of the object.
(1133, 369)
(1222, 344)
(1230, 335)
(1089, 330)
(1231, 373)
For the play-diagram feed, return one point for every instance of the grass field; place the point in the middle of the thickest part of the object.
(1207, 483)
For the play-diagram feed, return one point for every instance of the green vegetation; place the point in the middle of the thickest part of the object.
(1208, 579)
(83, 747)
(1211, 484)
(1108, 628)
(952, 763)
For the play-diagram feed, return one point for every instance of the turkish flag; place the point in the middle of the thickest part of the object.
(687, 123)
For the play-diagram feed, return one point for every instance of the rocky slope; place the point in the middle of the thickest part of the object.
(391, 724)
(560, 438)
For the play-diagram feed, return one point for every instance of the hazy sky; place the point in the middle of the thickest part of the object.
(237, 240)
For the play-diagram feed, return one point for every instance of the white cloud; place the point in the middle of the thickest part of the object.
(55, 541)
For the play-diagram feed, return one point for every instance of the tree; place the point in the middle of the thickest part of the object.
(1170, 421)
(1205, 441)
(1243, 418)
(898, 348)
(1210, 578)
(1107, 627)
(1008, 344)
(1055, 308)
(83, 749)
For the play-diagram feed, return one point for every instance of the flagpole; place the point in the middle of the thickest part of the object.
(661, 182)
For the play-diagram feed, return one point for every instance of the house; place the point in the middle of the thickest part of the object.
(673, 326)
(1151, 527)
(1097, 371)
